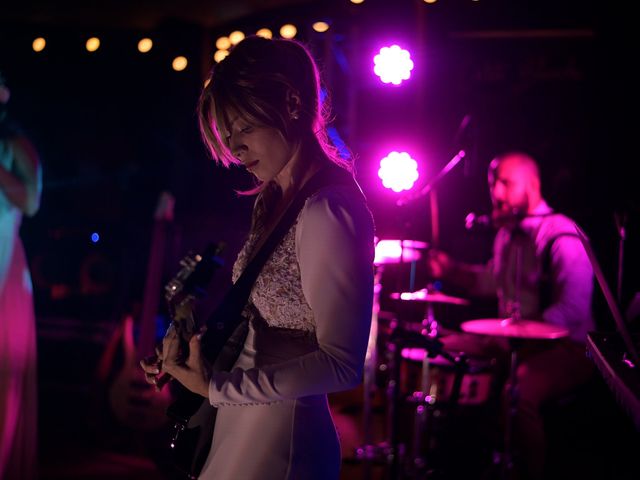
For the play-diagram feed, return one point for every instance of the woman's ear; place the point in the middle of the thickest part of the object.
(294, 104)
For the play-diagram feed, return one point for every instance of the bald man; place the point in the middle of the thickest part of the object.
(552, 282)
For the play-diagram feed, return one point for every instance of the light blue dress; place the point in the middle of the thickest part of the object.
(18, 396)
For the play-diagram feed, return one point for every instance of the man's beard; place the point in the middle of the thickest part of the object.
(509, 218)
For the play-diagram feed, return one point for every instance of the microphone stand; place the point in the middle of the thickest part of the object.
(434, 181)
(622, 232)
(621, 326)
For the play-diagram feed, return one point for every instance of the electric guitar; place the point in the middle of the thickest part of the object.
(192, 432)
(226, 332)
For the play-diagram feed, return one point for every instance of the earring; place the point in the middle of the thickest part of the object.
(295, 116)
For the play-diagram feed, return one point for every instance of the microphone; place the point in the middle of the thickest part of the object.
(464, 123)
(432, 183)
(474, 221)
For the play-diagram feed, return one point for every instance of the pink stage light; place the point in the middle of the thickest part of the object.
(397, 251)
(398, 171)
(393, 64)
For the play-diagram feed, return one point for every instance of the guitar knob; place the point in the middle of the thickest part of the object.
(178, 428)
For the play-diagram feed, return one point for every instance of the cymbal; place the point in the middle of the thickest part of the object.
(424, 296)
(398, 251)
(508, 327)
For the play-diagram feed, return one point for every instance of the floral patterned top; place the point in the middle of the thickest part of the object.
(278, 296)
(317, 283)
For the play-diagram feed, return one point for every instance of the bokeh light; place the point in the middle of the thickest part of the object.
(393, 64)
(220, 55)
(179, 63)
(265, 33)
(321, 27)
(223, 43)
(398, 171)
(93, 44)
(39, 44)
(236, 37)
(288, 31)
(145, 45)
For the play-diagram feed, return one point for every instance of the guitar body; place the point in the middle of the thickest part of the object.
(134, 403)
(137, 408)
(194, 420)
(193, 416)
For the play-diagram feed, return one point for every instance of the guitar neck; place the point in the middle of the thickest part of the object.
(153, 283)
(152, 290)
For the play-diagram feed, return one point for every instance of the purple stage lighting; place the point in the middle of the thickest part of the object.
(398, 171)
(393, 64)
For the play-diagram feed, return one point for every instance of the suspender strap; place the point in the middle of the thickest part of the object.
(546, 291)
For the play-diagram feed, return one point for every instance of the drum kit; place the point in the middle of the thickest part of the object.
(425, 377)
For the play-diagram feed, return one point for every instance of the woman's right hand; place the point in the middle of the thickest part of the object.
(152, 366)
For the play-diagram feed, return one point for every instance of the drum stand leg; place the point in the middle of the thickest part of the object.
(504, 460)
(507, 465)
(386, 452)
(422, 417)
(426, 399)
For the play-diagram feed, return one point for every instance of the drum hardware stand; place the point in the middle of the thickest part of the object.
(425, 338)
(369, 453)
(424, 399)
(425, 403)
(505, 459)
(389, 452)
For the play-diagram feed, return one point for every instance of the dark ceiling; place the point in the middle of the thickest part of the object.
(148, 14)
(143, 14)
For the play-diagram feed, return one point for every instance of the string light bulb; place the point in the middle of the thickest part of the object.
(223, 43)
(39, 44)
(220, 55)
(145, 45)
(320, 27)
(92, 44)
(265, 33)
(179, 63)
(288, 31)
(236, 37)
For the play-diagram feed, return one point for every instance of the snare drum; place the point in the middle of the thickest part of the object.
(475, 387)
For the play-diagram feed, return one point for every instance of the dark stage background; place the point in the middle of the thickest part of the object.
(116, 128)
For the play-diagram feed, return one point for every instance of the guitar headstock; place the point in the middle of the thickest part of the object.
(165, 207)
(189, 283)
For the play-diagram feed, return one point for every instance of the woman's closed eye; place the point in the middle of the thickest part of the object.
(243, 130)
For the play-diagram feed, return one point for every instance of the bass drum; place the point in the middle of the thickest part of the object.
(457, 419)
(476, 385)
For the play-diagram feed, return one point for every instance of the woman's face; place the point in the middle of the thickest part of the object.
(262, 150)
